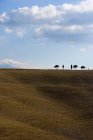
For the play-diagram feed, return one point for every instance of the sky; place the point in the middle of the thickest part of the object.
(41, 34)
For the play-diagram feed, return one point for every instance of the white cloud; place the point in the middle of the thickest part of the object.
(67, 22)
(90, 47)
(83, 6)
(20, 33)
(25, 11)
(83, 50)
(38, 32)
(8, 30)
(14, 63)
(74, 28)
(47, 12)
(86, 5)
(46, 27)
(4, 17)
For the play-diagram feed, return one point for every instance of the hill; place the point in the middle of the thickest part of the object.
(46, 105)
(7, 66)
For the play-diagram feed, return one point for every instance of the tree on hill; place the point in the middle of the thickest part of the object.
(56, 66)
(63, 67)
(75, 66)
(83, 67)
(71, 66)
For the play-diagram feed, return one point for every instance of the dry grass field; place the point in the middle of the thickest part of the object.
(46, 105)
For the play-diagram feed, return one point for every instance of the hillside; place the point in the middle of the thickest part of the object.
(46, 105)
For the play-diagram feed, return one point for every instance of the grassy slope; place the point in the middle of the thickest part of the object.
(46, 105)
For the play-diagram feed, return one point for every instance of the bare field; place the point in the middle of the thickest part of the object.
(46, 104)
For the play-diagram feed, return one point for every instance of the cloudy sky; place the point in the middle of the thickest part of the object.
(40, 34)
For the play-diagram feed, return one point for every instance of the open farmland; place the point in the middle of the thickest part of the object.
(46, 104)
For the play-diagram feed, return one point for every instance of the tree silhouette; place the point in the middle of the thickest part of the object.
(63, 67)
(56, 66)
(83, 67)
(71, 66)
(75, 66)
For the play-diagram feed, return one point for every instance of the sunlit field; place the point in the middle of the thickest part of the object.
(46, 104)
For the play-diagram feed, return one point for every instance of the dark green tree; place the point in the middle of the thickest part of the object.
(56, 66)
(83, 67)
(71, 66)
(75, 66)
(63, 67)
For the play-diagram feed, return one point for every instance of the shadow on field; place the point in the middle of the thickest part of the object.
(75, 98)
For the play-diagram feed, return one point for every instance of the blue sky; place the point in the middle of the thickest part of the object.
(40, 34)
(10, 4)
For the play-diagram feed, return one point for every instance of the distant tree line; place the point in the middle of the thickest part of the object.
(71, 67)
